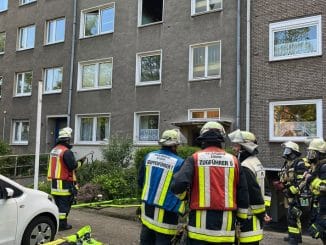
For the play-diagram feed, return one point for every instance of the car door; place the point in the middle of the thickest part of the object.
(8, 214)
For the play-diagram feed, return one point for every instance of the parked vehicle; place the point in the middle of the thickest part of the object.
(27, 216)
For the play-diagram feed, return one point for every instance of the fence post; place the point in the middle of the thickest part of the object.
(15, 170)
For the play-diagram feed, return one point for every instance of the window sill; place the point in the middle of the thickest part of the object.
(207, 12)
(154, 143)
(294, 57)
(90, 143)
(204, 79)
(24, 49)
(52, 92)
(51, 44)
(151, 24)
(3, 11)
(22, 95)
(97, 35)
(2, 53)
(93, 89)
(27, 4)
(18, 144)
(142, 84)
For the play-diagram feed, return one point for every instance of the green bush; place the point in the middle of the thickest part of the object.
(44, 186)
(119, 151)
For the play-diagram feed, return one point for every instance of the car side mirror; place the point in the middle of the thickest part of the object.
(8, 193)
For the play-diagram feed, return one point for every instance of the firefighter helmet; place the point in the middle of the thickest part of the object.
(212, 132)
(170, 137)
(244, 138)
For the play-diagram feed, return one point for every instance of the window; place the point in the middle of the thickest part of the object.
(201, 6)
(93, 128)
(1, 81)
(24, 83)
(148, 70)
(26, 37)
(98, 21)
(295, 38)
(146, 128)
(22, 2)
(53, 80)
(203, 114)
(2, 42)
(55, 31)
(205, 61)
(295, 120)
(20, 132)
(3, 5)
(95, 74)
(150, 11)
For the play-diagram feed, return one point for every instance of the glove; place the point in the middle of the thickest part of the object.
(294, 190)
(296, 212)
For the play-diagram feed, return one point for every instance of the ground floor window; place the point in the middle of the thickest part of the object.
(146, 128)
(92, 128)
(295, 120)
(20, 130)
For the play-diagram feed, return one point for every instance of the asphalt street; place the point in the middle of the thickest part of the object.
(117, 231)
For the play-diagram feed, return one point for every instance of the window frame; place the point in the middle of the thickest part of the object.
(295, 24)
(16, 80)
(1, 87)
(4, 45)
(57, 91)
(29, 2)
(138, 67)
(13, 131)
(99, 8)
(19, 37)
(319, 119)
(137, 116)
(140, 13)
(193, 8)
(6, 9)
(97, 62)
(47, 24)
(78, 118)
(191, 53)
(205, 110)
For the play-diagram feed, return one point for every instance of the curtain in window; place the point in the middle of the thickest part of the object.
(102, 128)
(88, 79)
(105, 75)
(91, 23)
(86, 129)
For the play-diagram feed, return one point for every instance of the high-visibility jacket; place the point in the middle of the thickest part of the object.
(159, 169)
(58, 172)
(216, 175)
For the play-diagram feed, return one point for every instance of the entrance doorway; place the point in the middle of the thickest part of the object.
(54, 125)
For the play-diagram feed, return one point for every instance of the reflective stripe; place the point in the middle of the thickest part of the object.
(242, 213)
(198, 219)
(254, 223)
(182, 207)
(226, 185)
(146, 185)
(57, 172)
(211, 235)
(165, 188)
(257, 209)
(62, 216)
(160, 187)
(207, 187)
(160, 215)
(155, 224)
(201, 187)
(293, 230)
(203, 217)
(230, 220)
(60, 193)
(230, 183)
(251, 238)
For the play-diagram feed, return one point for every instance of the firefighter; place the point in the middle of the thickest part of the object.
(61, 173)
(160, 207)
(218, 190)
(316, 180)
(245, 146)
(291, 178)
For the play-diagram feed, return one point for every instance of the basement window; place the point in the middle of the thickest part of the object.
(149, 12)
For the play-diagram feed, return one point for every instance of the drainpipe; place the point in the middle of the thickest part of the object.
(238, 64)
(248, 69)
(72, 60)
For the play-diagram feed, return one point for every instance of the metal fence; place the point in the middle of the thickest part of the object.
(22, 166)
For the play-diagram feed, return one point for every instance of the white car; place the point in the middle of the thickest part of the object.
(27, 216)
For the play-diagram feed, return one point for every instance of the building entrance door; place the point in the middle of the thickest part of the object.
(54, 125)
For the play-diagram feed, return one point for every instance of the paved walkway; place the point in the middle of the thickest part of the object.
(117, 226)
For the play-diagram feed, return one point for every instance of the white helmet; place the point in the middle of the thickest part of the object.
(212, 132)
(65, 133)
(244, 138)
(317, 144)
(170, 137)
(291, 145)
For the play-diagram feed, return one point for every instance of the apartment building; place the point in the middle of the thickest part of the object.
(287, 92)
(133, 68)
